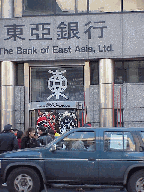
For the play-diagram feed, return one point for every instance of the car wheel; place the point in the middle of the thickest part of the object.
(136, 182)
(23, 179)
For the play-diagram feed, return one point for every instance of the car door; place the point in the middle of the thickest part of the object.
(75, 158)
(111, 168)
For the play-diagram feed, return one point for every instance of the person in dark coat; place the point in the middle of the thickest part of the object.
(51, 132)
(44, 138)
(29, 140)
(19, 136)
(8, 140)
(88, 124)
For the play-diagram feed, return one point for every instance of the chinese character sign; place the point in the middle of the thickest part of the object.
(64, 37)
(57, 84)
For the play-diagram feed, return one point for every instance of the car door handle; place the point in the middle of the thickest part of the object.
(91, 159)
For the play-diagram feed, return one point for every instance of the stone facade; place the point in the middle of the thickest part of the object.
(19, 107)
(131, 102)
(132, 95)
(133, 105)
(94, 105)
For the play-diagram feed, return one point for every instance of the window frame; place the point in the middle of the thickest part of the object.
(92, 82)
(125, 68)
(94, 132)
(75, 10)
(119, 150)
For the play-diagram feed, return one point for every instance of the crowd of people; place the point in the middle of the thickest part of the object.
(13, 139)
(48, 125)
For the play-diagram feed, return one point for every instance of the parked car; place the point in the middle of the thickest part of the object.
(82, 157)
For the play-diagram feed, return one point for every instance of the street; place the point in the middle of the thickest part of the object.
(4, 189)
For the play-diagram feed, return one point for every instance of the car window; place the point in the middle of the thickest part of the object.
(118, 141)
(142, 135)
(78, 141)
(130, 144)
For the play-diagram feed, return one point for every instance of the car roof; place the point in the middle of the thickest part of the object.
(110, 128)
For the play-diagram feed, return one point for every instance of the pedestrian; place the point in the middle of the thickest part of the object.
(52, 133)
(57, 125)
(88, 124)
(8, 140)
(15, 132)
(44, 138)
(29, 140)
(19, 136)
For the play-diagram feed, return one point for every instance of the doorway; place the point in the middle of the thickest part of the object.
(60, 120)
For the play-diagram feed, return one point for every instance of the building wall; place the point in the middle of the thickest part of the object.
(94, 105)
(131, 103)
(19, 107)
(132, 95)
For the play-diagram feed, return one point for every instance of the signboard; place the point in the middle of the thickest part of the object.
(56, 104)
(57, 84)
(72, 37)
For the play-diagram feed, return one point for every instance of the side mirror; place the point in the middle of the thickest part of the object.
(53, 148)
(141, 148)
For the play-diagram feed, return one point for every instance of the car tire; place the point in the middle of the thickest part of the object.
(23, 179)
(136, 182)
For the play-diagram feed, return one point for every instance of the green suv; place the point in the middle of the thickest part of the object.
(82, 157)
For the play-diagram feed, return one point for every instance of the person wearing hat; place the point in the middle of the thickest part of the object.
(44, 137)
(8, 140)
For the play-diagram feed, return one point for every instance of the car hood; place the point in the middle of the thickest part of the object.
(24, 153)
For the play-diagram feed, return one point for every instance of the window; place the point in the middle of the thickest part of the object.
(135, 71)
(66, 84)
(66, 6)
(44, 7)
(94, 73)
(38, 7)
(78, 141)
(130, 145)
(118, 141)
(120, 72)
(129, 72)
(20, 74)
(52, 7)
(142, 135)
(141, 74)
(71, 6)
(124, 72)
(104, 6)
(134, 5)
(81, 6)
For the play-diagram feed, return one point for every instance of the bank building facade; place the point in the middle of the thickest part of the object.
(72, 62)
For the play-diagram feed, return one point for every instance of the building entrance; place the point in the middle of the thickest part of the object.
(56, 97)
(60, 120)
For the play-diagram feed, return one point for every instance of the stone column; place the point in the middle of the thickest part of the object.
(26, 85)
(106, 79)
(7, 76)
(86, 88)
(7, 92)
(11, 8)
(7, 8)
(17, 8)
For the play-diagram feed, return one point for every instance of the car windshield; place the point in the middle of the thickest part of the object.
(54, 140)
